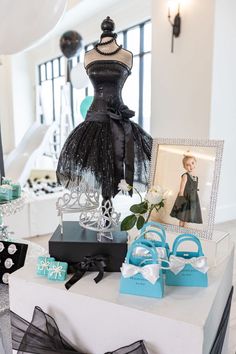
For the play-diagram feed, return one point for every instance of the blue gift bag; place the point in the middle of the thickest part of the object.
(145, 278)
(162, 247)
(187, 268)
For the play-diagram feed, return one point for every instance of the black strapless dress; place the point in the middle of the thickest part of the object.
(187, 207)
(107, 146)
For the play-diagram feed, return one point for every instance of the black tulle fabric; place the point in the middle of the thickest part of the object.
(42, 336)
(135, 348)
(107, 146)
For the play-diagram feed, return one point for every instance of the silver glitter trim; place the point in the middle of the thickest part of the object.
(12, 206)
(8, 208)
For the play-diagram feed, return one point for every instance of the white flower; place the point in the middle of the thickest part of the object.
(124, 186)
(155, 195)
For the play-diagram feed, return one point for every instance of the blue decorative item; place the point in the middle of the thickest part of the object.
(144, 279)
(161, 245)
(6, 181)
(57, 271)
(187, 268)
(5, 192)
(16, 190)
(85, 104)
(43, 265)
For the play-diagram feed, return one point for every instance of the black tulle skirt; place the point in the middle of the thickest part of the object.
(95, 149)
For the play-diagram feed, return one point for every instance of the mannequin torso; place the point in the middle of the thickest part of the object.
(123, 56)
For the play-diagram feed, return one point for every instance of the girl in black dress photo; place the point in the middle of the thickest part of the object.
(187, 205)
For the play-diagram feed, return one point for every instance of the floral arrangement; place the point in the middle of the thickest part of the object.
(153, 200)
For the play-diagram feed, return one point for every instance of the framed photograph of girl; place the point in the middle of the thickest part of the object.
(189, 171)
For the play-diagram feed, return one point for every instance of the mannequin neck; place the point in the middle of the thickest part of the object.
(107, 39)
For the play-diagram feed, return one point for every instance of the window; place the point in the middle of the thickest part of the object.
(136, 92)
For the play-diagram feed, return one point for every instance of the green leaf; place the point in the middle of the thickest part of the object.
(128, 222)
(140, 222)
(139, 208)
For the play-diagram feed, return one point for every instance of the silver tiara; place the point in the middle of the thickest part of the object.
(103, 220)
(80, 198)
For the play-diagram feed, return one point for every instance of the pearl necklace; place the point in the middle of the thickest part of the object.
(105, 43)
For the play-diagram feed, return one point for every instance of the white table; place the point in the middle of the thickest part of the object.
(96, 318)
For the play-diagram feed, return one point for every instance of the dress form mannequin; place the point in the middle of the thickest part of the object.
(108, 45)
(107, 146)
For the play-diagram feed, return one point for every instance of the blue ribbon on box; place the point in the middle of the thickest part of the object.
(187, 268)
(145, 278)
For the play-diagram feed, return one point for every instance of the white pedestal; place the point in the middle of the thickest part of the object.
(96, 318)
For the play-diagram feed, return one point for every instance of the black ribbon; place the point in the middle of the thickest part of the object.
(123, 141)
(89, 263)
(42, 335)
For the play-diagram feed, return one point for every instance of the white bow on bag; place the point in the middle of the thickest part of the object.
(178, 263)
(150, 272)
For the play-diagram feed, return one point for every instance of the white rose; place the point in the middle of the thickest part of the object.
(154, 195)
(124, 186)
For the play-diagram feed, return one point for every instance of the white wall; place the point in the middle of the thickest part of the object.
(16, 99)
(181, 86)
(6, 106)
(223, 113)
(23, 95)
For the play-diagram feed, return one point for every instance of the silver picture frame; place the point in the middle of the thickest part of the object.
(211, 150)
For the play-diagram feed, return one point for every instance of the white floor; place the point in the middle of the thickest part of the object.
(229, 227)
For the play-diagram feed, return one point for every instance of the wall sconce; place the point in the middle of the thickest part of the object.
(175, 24)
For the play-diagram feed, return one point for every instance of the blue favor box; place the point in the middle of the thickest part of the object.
(5, 192)
(16, 190)
(43, 265)
(57, 271)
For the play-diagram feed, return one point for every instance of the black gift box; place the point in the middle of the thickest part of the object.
(77, 242)
(16, 258)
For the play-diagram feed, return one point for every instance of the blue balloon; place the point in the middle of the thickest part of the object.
(85, 104)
